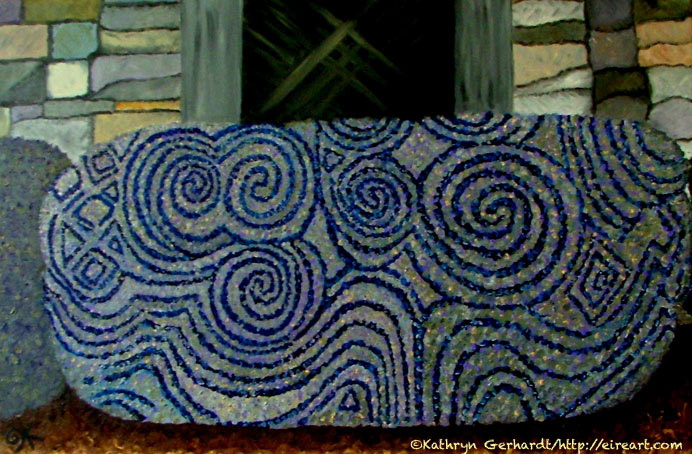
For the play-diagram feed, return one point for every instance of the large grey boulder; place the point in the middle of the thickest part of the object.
(29, 373)
(483, 268)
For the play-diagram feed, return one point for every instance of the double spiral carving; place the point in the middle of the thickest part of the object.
(194, 194)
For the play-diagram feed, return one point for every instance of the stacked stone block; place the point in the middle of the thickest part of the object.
(77, 72)
(551, 66)
(664, 39)
(620, 85)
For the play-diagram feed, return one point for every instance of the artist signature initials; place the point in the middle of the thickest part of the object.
(18, 436)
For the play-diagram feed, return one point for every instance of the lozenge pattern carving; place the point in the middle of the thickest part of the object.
(383, 272)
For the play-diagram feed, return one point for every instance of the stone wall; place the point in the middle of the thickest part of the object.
(77, 72)
(664, 40)
(620, 87)
(613, 58)
(551, 62)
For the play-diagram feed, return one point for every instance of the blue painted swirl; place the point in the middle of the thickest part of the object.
(371, 202)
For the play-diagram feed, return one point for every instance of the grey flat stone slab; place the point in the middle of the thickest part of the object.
(71, 135)
(576, 102)
(75, 108)
(28, 112)
(483, 268)
(670, 82)
(674, 117)
(29, 373)
(74, 40)
(10, 11)
(529, 13)
(142, 90)
(117, 68)
(140, 17)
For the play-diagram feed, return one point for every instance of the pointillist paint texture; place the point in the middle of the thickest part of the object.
(389, 273)
(29, 373)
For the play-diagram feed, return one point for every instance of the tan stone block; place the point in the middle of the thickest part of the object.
(109, 126)
(4, 121)
(666, 54)
(23, 41)
(669, 32)
(59, 10)
(147, 105)
(533, 63)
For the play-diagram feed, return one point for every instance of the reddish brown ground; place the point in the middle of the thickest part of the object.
(662, 411)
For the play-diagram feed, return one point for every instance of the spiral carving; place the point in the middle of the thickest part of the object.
(371, 201)
(384, 272)
(194, 187)
(481, 128)
(174, 183)
(262, 294)
(269, 187)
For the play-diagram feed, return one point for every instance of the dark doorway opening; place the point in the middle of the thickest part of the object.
(362, 58)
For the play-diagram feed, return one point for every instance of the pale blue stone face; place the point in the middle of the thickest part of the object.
(75, 40)
(482, 268)
(29, 373)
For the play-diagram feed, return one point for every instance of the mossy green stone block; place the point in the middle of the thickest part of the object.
(618, 82)
(43, 11)
(569, 31)
(661, 9)
(74, 40)
(22, 82)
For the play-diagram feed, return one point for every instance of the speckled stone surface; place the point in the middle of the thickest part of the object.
(389, 273)
(29, 373)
